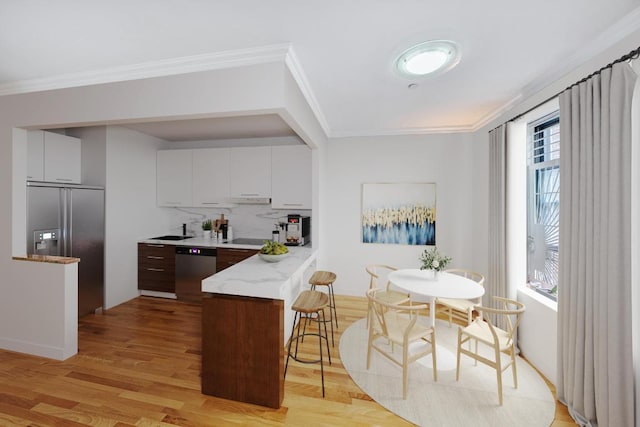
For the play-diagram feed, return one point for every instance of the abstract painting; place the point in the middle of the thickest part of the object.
(399, 213)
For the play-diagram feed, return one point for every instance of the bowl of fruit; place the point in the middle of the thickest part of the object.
(273, 251)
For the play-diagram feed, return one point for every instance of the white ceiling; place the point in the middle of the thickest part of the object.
(345, 49)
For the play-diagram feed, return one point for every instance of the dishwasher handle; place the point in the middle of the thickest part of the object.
(195, 251)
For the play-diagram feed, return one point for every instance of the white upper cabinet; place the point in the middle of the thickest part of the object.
(53, 157)
(211, 177)
(291, 177)
(250, 172)
(173, 178)
(35, 155)
(62, 158)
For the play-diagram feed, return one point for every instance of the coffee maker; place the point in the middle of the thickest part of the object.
(298, 231)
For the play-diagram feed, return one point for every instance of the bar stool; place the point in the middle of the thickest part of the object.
(326, 278)
(309, 303)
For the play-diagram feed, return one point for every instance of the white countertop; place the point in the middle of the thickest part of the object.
(200, 242)
(254, 277)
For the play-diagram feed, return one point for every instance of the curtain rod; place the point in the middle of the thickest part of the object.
(634, 54)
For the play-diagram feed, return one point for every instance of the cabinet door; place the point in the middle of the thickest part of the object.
(156, 267)
(62, 157)
(35, 155)
(291, 177)
(250, 171)
(173, 178)
(227, 257)
(211, 177)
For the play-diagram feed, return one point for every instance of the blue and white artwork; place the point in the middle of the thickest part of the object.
(399, 213)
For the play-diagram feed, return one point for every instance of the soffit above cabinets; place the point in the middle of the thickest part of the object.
(220, 128)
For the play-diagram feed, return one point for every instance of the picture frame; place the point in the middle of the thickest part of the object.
(399, 213)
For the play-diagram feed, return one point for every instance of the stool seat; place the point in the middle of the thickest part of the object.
(322, 278)
(310, 302)
(309, 306)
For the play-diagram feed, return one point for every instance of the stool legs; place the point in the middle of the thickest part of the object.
(333, 316)
(300, 336)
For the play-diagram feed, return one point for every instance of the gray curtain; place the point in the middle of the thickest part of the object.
(595, 361)
(496, 283)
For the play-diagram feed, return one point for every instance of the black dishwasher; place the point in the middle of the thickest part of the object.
(192, 265)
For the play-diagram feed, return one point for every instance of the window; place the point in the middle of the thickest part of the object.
(543, 203)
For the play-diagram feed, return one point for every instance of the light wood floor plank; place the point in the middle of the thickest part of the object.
(139, 365)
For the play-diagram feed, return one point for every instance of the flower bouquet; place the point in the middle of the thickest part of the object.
(433, 260)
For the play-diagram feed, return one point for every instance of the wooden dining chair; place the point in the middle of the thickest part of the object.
(501, 341)
(460, 309)
(386, 294)
(397, 324)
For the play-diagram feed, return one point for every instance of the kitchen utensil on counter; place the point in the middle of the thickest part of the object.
(221, 227)
(275, 234)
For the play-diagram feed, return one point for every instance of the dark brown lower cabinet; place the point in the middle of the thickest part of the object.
(243, 349)
(156, 267)
(231, 256)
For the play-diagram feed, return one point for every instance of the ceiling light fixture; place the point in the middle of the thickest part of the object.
(428, 58)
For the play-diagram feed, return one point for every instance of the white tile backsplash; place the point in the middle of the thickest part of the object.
(253, 221)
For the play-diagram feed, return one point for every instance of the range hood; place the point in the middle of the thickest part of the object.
(251, 200)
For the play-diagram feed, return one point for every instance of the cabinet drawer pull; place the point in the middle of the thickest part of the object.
(210, 203)
(249, 194)
(292, 204)
(154, 246)
(155, 269)
(238, 250)
(64, 179)
(154, 257)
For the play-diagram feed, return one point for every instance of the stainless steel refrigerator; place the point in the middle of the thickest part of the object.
(69, 221)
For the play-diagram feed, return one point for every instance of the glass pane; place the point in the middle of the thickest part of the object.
(544, 205)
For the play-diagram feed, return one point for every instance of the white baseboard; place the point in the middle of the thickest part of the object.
(36, 349)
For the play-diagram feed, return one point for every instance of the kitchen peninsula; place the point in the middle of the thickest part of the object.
(245, 313)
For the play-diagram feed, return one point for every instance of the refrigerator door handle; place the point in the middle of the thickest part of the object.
(70, 222)
(64, 223)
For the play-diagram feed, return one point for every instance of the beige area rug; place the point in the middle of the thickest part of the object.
(472, 401)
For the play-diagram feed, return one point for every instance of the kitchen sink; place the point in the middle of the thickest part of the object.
(171, 237)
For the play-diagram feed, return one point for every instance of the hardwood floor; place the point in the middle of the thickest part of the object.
(139, 365)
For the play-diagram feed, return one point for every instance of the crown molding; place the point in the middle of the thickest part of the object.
(164, 67)
(300, 77)
(403, 132)
(495, 114)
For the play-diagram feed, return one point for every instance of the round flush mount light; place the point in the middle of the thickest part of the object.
(428, 58)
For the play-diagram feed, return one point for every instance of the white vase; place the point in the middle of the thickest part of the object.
(206, 234)
(433, 275)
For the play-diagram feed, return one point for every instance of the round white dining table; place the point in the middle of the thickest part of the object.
(443, 285)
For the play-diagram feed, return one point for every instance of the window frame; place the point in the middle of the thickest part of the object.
(549, 161)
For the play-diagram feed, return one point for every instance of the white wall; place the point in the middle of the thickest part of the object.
(446, 160)
(93, 147)
(130, 208)
(537, 332)
(47, 306)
